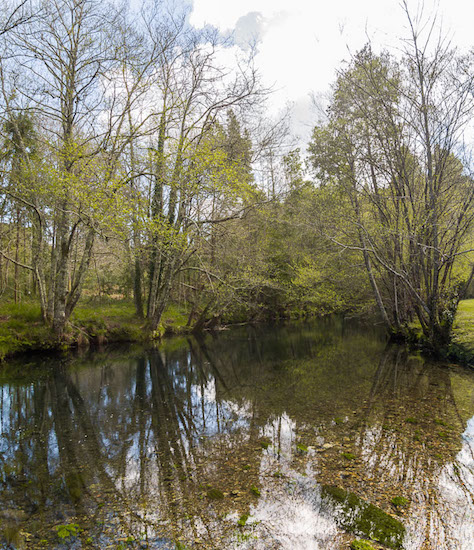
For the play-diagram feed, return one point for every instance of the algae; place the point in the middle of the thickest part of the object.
(215, 494)
(399, 501)
(360, 544)
(362, 518)
(255, 491)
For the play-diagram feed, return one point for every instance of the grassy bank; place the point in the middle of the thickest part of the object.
(22, 329)
(463, 333)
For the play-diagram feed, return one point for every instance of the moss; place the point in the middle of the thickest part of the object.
(67, 530)
(243, 520)
(399, 501)
(348, 456)
(365, 519)
(360, 544)
(215, 494)
(411, 420)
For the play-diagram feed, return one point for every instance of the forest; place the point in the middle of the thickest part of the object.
(144, 187)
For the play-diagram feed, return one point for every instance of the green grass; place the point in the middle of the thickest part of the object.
(21, 328)
(463, 329)
(27, 312)
(115, 320)
(461, 348)
(105, 320)
(175, 319)
(112, 310)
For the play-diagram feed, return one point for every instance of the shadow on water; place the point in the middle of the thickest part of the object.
(295, 437)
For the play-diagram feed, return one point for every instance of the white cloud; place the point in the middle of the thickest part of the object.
(301, 43)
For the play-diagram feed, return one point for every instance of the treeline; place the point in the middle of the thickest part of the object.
(136, 163)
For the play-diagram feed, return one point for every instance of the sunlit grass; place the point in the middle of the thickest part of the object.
(464, 324)
(21, 328)
(104, 320)
(114, 310)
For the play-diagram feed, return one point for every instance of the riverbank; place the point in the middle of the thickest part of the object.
(22, 330)
(463, 332)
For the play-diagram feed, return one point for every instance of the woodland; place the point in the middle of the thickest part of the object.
(144, 187)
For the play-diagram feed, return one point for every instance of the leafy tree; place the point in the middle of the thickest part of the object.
(391, 143)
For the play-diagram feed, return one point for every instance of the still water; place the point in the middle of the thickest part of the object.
(299, 437)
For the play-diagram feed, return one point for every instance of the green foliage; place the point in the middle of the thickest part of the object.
(183, 219)
(363, 150)
(302, 448)
(348, 456)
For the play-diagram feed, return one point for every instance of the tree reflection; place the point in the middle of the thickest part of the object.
(177, 443)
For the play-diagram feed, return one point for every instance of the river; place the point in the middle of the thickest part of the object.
(298, 437)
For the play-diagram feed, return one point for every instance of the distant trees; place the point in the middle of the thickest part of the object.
(394, 144)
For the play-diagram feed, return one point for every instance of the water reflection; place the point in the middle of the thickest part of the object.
(243, 440)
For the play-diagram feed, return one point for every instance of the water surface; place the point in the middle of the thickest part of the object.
(295, 438)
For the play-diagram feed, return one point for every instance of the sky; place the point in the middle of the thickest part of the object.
(301, 43)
